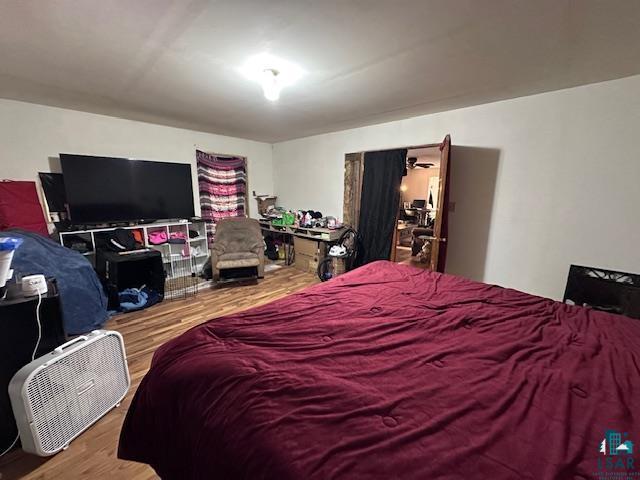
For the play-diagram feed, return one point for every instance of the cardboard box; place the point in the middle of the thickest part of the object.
(264, 202)
(306, 252)
(302, 262)
(313, 266)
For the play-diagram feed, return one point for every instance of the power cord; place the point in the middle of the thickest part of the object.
(33, 357)
(35, 349)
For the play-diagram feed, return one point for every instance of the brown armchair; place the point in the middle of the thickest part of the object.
(238, 244)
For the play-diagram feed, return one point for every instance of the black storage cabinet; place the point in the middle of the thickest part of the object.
(18, 336)
(118, 272)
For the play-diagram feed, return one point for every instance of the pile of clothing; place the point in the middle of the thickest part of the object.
(132, 299)
(313, 219)
(160, 237)
(309, 219)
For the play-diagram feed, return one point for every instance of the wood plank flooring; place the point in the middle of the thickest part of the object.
(404, 257)
(93, 454)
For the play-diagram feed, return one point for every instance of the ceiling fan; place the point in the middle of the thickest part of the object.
(412, 162)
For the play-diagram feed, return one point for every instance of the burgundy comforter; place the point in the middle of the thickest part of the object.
(389, 372)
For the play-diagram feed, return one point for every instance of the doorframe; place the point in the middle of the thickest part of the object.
(410, 147)
(348, 189)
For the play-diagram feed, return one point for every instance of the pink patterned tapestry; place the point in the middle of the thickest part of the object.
(222, 182)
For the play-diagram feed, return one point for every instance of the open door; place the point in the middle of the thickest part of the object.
(429, 211)
(441, 224)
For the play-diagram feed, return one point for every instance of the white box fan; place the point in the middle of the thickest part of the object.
(59, 395)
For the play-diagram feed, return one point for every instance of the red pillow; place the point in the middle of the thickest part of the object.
(20, 207)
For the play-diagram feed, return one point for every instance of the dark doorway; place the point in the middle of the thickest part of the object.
(380, 210)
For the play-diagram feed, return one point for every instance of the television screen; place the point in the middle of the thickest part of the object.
(105, 189)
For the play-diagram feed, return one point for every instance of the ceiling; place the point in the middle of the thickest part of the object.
(366, 61)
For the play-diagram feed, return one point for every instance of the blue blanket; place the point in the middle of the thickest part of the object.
(84, 304)
(132, 299)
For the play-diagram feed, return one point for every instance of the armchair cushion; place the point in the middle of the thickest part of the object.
(225, 257)
(237, 260)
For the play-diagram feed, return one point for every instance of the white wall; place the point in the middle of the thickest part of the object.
(416, 182)
(32, 136)
(539, 182)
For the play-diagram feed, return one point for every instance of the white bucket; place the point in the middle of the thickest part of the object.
(5, 264)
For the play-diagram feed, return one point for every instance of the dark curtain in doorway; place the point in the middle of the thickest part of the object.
(379, 203)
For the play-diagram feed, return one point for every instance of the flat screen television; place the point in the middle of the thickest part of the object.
(106, 189)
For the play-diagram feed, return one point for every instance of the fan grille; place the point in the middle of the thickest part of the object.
(74, 391)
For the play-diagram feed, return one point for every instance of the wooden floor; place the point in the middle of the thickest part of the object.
(403, 256)
(93, 454)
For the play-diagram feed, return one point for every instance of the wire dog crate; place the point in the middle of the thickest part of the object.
(182, 278)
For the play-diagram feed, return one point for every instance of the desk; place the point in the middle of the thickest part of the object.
(323, 234)
(421, 213)
(326, 235)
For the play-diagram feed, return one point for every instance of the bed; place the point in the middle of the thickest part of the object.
(390, 372)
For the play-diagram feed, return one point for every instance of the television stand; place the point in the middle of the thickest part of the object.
(196, 248)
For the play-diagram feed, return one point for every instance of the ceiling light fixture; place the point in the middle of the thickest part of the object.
(272, 73)
(270, 85)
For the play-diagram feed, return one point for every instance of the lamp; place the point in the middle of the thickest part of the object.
(403, 188)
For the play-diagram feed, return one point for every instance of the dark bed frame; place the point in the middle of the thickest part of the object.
(606, 290)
